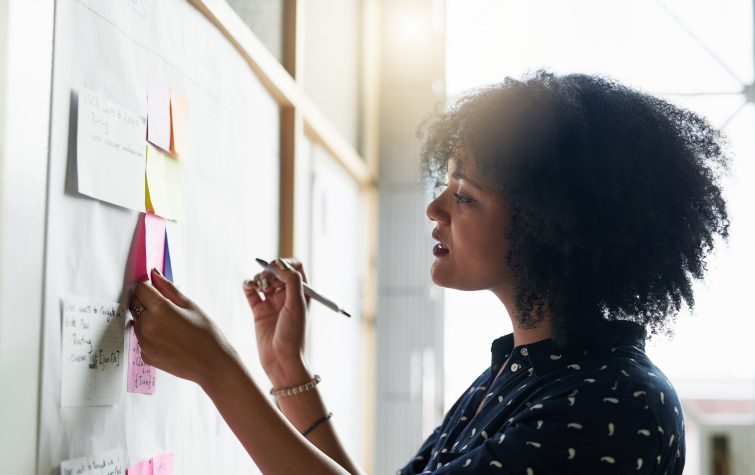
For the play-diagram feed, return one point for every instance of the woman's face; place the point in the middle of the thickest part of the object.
(471, 219)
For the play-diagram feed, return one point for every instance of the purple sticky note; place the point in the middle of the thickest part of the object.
(141, 468)
(168, 272)
(162, 464)
(141, 376)
(158, 114)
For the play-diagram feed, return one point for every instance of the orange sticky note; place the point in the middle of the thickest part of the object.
(179, 116)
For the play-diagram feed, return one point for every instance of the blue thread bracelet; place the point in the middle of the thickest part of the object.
(317, 424)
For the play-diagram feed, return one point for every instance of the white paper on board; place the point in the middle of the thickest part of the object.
(93, 359)
(106, 463)
(110, 152)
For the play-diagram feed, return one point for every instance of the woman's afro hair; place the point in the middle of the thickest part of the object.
(614, 195)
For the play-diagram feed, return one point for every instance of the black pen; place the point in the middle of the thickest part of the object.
(308, 291)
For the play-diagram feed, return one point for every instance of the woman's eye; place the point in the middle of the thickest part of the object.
(462, 199)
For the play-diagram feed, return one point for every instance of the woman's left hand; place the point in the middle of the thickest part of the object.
(174, 334)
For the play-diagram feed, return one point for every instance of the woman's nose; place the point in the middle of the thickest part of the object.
(435, 211)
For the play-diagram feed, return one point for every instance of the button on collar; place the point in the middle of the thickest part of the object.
(523, 351)
(515, 367)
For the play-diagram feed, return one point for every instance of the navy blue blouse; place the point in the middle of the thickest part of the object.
(608, 410)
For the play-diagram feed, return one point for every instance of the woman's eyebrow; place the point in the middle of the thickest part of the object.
(460, 176)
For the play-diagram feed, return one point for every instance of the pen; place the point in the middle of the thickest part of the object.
(308, 291)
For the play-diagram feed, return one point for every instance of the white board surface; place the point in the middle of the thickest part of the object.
(230, 215)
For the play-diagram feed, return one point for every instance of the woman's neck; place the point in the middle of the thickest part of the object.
(525, 336)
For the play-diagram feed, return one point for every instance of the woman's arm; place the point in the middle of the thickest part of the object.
(177, 337)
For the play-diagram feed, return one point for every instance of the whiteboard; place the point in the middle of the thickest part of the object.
(230, 200)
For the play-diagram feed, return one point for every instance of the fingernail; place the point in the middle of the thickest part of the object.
(286, 264)
(280, 264)
(248, 283)
(154, 269)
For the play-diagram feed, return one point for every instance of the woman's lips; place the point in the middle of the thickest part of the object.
(439, 250)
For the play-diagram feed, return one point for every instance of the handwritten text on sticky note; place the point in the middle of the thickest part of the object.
(92, 352)
(158, 465)
(141, 376)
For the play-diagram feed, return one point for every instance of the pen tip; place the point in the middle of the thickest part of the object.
(261, 262)
(346, 313)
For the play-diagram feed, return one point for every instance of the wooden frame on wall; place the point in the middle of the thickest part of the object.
(301, 119)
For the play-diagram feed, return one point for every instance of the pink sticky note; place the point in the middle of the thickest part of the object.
(179, 115)
(141, 376)
(154, 242)
(148, 248)
(141, 468)
(158, 114)
(162, 464)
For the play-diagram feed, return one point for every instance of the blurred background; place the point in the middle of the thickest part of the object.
(354, 214)
(431, 343)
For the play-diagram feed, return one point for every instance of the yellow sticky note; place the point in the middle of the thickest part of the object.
(164, 183)
(179, 116)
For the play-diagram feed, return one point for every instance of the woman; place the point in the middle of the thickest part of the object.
(585, 207)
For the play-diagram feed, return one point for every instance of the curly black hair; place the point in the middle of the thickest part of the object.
(615, 195)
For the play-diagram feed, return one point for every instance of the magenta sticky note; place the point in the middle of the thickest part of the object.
(158, 114)
(162, 464)
(141, 468)
(141, 376)
(154, 242)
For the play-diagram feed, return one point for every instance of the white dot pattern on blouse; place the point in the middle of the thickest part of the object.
(605, 411)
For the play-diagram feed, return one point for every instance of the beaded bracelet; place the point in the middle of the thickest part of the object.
(316, 424)
(278, 393)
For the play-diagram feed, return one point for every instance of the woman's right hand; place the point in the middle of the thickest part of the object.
(279, 307)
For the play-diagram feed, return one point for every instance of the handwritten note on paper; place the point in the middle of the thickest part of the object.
(92, 352)
(158, 114)
(108, 463)
(110, 152)
(179, 115)
(158, 465)
(141, 376)
(164, 183)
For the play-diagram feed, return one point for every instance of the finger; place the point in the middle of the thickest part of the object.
(168, 290)
(296, 264)
(293, 281)
(266, 281)
(252, 293)
(148, 295)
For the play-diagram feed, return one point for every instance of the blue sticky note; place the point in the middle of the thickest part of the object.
(167, 266)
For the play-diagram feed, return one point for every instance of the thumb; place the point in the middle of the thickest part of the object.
(168, 290)
(294, 288)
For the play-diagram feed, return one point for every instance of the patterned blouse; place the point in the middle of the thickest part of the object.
(608, 410)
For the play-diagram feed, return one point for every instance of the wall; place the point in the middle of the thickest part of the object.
(26, 60)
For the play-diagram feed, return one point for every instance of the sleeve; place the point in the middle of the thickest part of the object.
(589, 430)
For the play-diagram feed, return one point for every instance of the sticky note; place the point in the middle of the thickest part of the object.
(148, 247)
(91, 352)
(179, 116)
(163, 464)
(158, 465)
(154, 237)
(110, 152)
(173, 253)
(106, 463)
(141, 376)
(164, 176)
(141, 468)
(158, 114)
